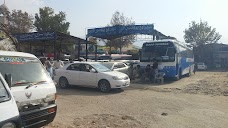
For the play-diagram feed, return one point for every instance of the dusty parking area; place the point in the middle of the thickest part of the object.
(199, 101)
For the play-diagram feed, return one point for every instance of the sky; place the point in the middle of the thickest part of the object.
(171, 17)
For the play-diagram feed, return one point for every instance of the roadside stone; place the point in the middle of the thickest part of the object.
(225, 93)
(164, 114)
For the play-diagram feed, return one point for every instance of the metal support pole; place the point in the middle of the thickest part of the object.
(54, 49)
(153, 36)
(60, 50)
(30, 47)
(44, 50)
(96, 52)
(86, 48)
(79, 49)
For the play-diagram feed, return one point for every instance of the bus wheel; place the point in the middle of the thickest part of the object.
(189, 74)
(178, 75)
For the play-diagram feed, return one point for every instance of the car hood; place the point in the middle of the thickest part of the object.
(115, 73)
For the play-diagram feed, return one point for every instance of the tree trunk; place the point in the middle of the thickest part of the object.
(120, 50)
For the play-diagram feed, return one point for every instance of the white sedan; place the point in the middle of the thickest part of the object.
(117, 66)
(90, 74)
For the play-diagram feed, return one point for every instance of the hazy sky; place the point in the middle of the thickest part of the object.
(170, 17)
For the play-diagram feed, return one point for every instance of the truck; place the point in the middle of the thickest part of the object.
(31, 86)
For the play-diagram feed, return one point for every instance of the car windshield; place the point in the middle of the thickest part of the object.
(108, 65)
(23, 70)
(3, 93)
(100, 68)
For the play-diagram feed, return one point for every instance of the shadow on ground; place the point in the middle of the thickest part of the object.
(76, 90)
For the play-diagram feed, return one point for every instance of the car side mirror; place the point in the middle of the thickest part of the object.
(8, 78)
(93, 70)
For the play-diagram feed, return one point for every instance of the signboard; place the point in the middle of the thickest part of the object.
(158, 44)
(120, 30)
(35, 36)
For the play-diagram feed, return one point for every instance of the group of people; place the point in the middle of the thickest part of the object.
(149, 72)
(134, 72)
(51, 66)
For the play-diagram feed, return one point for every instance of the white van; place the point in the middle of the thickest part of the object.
(9, 115)
(32, 88)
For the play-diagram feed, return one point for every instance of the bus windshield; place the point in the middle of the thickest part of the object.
(23, 70)
(164, 52)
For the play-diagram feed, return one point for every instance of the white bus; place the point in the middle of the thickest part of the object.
(174, 58)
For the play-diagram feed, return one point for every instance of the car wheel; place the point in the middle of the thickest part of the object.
(63, 83)
(104, 86)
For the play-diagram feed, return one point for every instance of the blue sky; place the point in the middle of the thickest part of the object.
(170, 17)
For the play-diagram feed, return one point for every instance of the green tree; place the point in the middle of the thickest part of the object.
(20, 22)
(119, 19)
(93, 40)
(47, 20)
(197, 36)
(200, 34)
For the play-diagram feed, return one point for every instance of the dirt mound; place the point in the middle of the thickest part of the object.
(216, 85)
(107, 121)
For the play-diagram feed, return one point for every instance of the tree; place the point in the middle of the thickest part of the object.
(119, 19)
(197, 36)
(200, 34)
(20, 22)
(47, 20)
(93, 40)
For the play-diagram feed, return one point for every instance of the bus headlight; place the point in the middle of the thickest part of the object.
(9, 125)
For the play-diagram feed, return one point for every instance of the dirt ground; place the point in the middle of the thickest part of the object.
(198, 101)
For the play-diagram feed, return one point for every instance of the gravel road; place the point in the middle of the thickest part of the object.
(198, 101)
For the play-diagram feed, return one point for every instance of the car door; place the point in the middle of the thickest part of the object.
(72, 74)
(87, 78)
(121, 67)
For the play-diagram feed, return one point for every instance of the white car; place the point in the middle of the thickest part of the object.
(90, 74)
(117, 66)
(201, 66)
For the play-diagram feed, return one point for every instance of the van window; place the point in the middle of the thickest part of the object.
(3, 93)
(23, 70)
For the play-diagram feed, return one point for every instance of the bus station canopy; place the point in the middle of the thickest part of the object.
(113, 32)
(49, 38)
(47, 35)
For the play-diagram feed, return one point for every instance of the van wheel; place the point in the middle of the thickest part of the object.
(63, 83)
(104, 86)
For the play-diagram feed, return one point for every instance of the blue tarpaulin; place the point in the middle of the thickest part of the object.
(120, 30)
(35, 36)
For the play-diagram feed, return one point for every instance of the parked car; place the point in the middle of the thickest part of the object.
(117, 66)
(201, 66)
(104, 58)
(130, 62)
(9, 114)
(90, 74)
